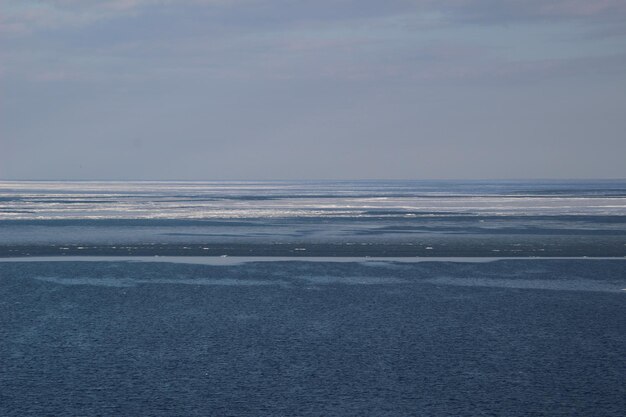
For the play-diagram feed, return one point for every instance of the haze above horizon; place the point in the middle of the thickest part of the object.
(261, 90)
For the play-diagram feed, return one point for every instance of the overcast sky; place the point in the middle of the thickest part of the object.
(290, 89)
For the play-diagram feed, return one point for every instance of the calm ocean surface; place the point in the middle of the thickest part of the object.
(329, 327)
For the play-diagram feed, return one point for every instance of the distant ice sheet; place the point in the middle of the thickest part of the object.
(233, 200)
(441, 218)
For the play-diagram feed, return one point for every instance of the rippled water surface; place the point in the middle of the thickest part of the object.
(509, 337)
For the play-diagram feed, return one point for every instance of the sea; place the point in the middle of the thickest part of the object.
(313, 298)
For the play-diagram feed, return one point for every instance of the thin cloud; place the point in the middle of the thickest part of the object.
(509, 11)
(30, 16)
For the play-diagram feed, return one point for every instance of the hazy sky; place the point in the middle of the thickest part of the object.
(289, 89)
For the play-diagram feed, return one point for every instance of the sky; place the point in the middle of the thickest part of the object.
(318, 89)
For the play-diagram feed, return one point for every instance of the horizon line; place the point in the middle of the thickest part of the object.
(316, 179)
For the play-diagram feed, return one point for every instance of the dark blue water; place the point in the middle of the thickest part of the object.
(513, 337)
